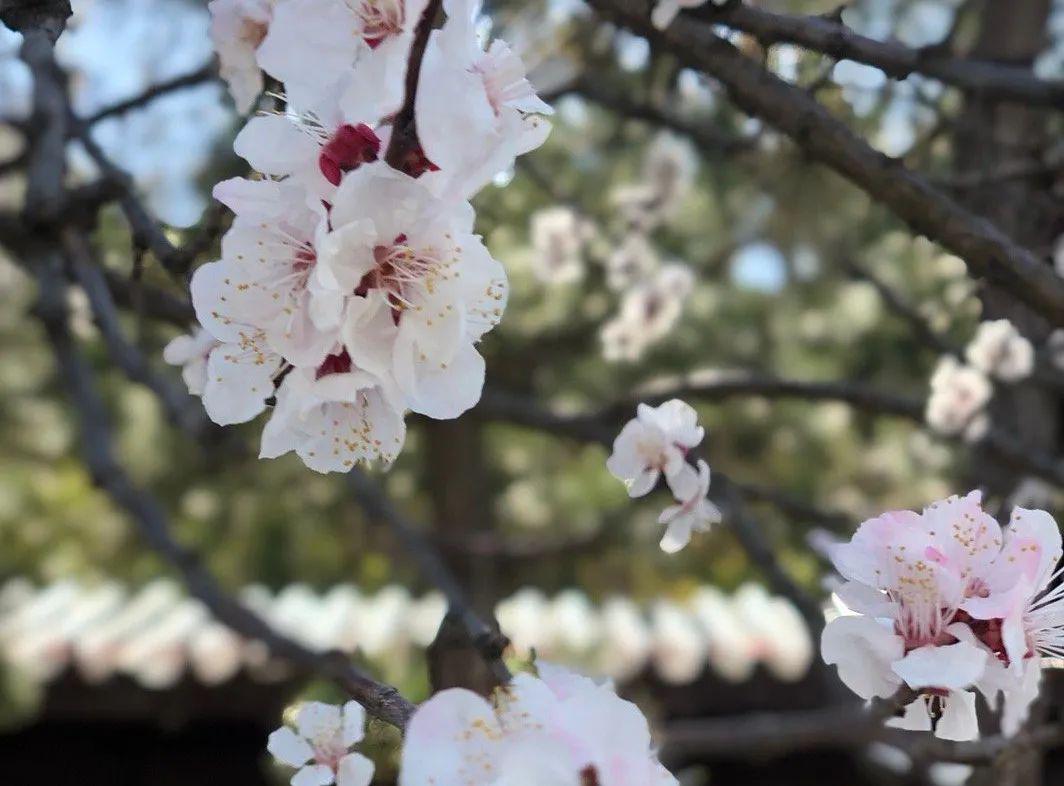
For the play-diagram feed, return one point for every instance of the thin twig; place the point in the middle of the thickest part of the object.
(489, 642)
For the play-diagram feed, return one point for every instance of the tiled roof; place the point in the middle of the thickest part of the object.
(157, 635)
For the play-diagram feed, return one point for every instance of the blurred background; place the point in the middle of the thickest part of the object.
(659, 231)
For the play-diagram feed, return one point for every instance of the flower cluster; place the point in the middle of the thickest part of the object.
(960, 391)
(948, 603)
(655, 444)
(351, 286)
(555, 728)
(653, 294)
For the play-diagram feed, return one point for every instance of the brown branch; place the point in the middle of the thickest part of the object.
(988, 252)
(833, 38)
(489, 643)
(769, 735)
(404, 130)
(896, 303)
(707, 139)
(380, 700)
(205, 73)
(183, 410)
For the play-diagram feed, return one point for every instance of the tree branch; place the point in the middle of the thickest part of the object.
(380, 700)
(205, 73)
(834, 38)
(489, 643)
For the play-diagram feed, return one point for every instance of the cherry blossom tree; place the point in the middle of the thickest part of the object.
(342, 288)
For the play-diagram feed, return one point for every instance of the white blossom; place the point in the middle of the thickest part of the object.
(553, 729)
(476, 110)
(693, 511)
(999, 350)
(334, 418)
(320, 746)
(425, 288)
(558, 238)
(191, 353)
(631, 262)
(655, 443)
(316, 47)
(959, 394)
(238, 27)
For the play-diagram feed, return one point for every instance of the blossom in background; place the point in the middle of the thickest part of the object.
(655, 443)
(693, 512)
(191, 353)
(668, 172)
(558, 238)
(948, 604)
(320, 746)
(237, 29)
(555, 728)
(959, 394)
(1000, 351)
(634, 260)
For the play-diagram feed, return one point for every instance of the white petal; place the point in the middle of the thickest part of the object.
(448, 741)
(915, 717)
(317, 720)
(677, 535)
(274, 145)
(643, 483)
(354, 770)
(288, 747)
(959, 721)
(953, 666)
(863, 651)
(314, 775)
(354, 723)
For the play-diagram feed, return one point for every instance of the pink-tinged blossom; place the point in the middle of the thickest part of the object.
(320, 746)
(655, 443)
(476, 110)
(238, 28)
(554, 729)
(425, 288)
(947, 604)
(693, 512)
(321, 48)
(334, 418)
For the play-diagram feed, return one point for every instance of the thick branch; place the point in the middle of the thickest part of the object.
(985, 249)
(381, 701)
(183, 410)
(832, 37)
